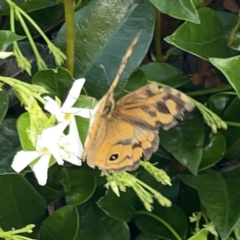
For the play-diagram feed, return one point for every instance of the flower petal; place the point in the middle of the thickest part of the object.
(52, 107)
(73, 94)
(82, 112)
(23, 158)
(40, 169)
(74, 160)
(50, 137)
(74, 139)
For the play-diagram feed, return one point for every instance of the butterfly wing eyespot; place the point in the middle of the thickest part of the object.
(114, 157)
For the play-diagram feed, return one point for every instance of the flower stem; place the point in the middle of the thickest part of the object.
(40, 62)
(233, 32)
(210, 90)
(157, 37)
(70, 33)
(174, 233)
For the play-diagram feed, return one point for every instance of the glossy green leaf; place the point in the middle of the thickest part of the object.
(180, 9)
(144, 236)
(23, 123)
(79, 185)
(9, 143)
(218, 194)
(61, 225)
(203, 40)
(53, 190)
(228, 19)
(190, 202)
(95, 224)
(237, 230)
(198, 3)
(120, 208)
(230, 68)
(185, 140)
(232, 134)
(27, 6)
(20, 203)
(136, 80)
(57, 82)
(4, 104)
(201, 235)
(83, 123)
(157, 223)
(164, 73)
(219, 101)
(7, 38)
(213, 151)
(102, 40)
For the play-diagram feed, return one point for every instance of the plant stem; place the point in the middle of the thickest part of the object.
(157, 37)
(233, 124)
(161, 221)
(233, 32)
(70, 33)
(30, 39)
(210, 90)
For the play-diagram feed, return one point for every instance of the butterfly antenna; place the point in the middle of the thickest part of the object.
(125, 59)
(105, 74)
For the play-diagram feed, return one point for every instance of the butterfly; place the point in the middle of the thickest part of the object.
(123, 132)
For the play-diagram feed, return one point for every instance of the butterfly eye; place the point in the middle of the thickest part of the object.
(108, 108)
(114, 157)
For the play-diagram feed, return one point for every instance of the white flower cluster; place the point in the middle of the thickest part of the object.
(53, 141)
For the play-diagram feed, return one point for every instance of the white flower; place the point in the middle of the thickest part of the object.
(52, 141)
(49, 143)
(65, 114)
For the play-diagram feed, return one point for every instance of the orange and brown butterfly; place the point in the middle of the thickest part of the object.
(123, 132)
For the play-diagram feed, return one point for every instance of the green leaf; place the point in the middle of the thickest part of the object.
(53, 190)
(23, 123)
(166, 223)
(9, 143)
(219, 101)
(230, 68)
(180, 9)
(120, 208)
(201, 235)
(20, 203)
(57, 82)
(164, 73)
(83, 123)
(144, 236)
(79, 185)
(93, 48)
(136, 80)
(27, 6)
(183, 144)
(218, 194)
(237, 230)
(228, 19)
(62, 224)
(232, 134)
(95, 224)
(4, 104)
(203, 40)
(213, 151)
(8, 37)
